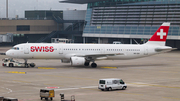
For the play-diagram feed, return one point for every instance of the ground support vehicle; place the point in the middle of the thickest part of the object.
(112, 84)
(9, 62)
(9, 99)
(47, 93)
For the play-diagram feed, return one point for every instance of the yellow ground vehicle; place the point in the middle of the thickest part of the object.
(47, 93)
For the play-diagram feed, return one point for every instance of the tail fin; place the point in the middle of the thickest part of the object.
(160, 36)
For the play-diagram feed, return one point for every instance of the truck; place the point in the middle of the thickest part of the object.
(111, 84)
(47, 93)
(10, 62)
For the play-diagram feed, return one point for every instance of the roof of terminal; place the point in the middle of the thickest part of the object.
(79, 1)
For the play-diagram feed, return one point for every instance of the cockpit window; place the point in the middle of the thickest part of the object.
(15, 48)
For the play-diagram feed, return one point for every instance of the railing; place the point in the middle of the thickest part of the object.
(49, 36)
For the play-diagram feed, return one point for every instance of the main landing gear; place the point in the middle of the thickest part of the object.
(94, 65)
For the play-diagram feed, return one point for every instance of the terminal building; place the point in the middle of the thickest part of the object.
(41, 26)
(129, 20)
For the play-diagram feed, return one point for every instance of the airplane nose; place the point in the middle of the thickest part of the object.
(7, 53)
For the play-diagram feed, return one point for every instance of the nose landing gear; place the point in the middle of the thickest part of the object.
(28, 64)
(25, 63)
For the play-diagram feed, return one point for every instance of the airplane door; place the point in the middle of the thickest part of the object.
(61, 49)
(145, 50)
(26, 49)
(102, 50)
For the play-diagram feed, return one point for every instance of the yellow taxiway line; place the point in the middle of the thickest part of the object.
(110, 67)
(16, 72)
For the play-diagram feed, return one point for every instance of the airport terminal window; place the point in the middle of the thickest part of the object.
(23, 27)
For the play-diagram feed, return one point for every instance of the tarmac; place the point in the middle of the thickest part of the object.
(154, 78)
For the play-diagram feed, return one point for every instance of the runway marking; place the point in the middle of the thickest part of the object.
(45, 68)
(109, 67)
(130, 93)
(16, 72)
(172, 98)
(76, 88)
(154, 85)
(9, 90)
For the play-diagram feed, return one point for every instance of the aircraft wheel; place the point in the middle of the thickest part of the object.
(32, 65)
(94, 65)
(86, 63)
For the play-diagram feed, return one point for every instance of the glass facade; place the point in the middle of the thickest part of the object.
(43, 14)
(132, 17)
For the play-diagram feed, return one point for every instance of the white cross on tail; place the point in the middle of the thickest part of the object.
(161, 34)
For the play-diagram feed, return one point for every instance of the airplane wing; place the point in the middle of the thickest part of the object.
(98, 56)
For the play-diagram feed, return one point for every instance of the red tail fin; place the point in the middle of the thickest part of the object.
(160, 35)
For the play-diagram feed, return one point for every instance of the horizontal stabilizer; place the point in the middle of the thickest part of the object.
(164, 49)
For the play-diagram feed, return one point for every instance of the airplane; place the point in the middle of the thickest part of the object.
(84, 54)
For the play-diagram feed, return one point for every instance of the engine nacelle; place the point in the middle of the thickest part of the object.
(77, 61)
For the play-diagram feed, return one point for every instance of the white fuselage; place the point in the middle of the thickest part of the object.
(66, 51)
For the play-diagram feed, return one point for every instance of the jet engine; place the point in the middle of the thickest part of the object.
(77, 61)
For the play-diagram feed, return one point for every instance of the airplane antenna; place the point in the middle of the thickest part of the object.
(136, 42)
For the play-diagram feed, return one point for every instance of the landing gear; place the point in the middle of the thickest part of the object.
(86, 64)
(25, 63)
(94, 65)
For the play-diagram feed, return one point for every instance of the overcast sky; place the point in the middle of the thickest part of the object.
(17, 7)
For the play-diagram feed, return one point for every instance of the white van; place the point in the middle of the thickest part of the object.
(112, 84)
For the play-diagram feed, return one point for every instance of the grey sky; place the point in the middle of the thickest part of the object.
(17, 7)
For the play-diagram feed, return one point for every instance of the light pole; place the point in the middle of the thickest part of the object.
(6, 8)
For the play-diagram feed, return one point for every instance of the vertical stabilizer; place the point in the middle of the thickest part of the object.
(160, 36)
